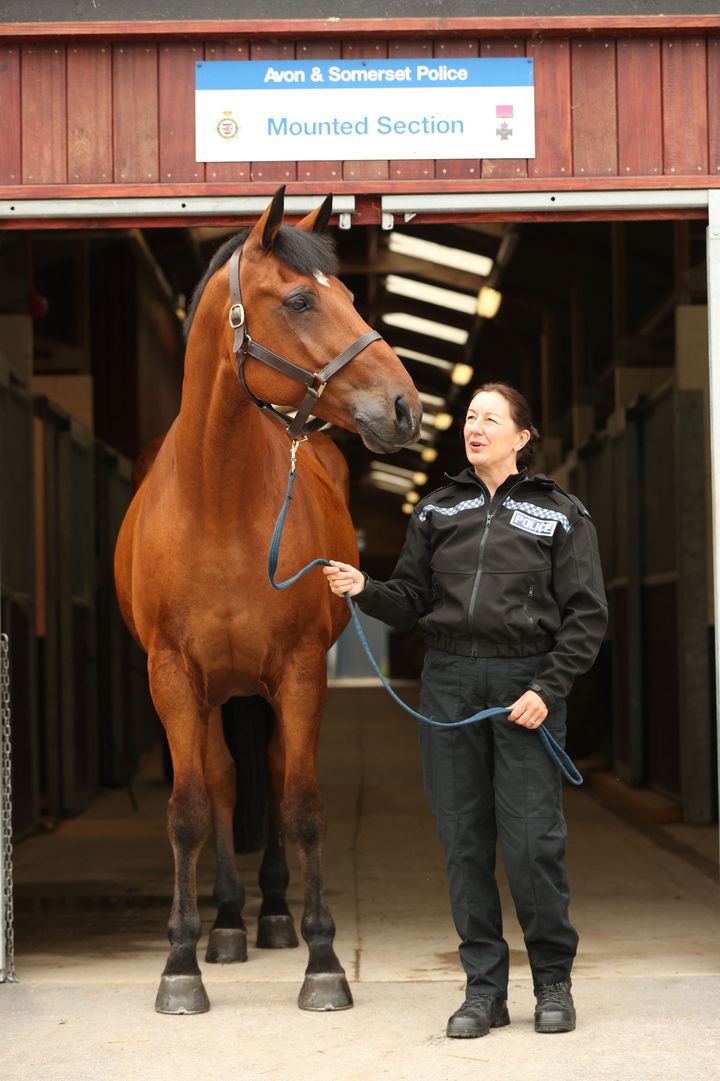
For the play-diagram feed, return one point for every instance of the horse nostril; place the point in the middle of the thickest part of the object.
(403, 413)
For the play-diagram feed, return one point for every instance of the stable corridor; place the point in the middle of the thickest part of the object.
(92, 901)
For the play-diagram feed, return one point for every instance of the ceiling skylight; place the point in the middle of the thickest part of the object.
(405, 321)
(428, 250)
(431, 294)
(423, 358)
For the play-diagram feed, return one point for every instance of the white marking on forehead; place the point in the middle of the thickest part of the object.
(320, 277)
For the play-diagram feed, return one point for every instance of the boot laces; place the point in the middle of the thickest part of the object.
(553, 994)
(483, 1002)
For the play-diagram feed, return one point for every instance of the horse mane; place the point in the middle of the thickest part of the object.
(303, 252)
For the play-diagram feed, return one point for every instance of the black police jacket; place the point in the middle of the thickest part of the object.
(512, 576)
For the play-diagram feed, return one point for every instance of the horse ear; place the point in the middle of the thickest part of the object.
(266, 228)
(317, 220)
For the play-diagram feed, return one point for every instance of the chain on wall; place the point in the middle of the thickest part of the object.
(8, 974)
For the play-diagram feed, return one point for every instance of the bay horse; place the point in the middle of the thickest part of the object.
(192, 582)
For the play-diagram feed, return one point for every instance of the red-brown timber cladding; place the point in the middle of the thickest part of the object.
(640, 120)
(714, 105)
(329, 172)
(89, 113)
(108, 110)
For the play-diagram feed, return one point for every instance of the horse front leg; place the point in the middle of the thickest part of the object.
(325, 986)
(227, 942)
(181, 988)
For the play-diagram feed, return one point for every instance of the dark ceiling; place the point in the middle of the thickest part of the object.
(577, 299)
(548, 271)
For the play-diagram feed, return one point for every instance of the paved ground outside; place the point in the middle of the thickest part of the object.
(93, 898)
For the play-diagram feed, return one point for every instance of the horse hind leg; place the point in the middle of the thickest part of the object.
(227, 942)
(276, 929)
(250, 734)
(181, 988)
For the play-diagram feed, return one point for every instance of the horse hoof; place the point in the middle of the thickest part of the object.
(325, 991)
(181, 994)
(276, 933)
(226, 945)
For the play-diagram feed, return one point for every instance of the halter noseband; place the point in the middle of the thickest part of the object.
(244, 346)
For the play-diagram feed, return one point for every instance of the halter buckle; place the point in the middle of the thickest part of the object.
(321, 386)
(237, 308)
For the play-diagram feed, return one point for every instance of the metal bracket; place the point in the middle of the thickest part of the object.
(714, 210)
(388, 222)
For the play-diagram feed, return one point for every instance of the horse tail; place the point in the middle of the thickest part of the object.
(247, 725)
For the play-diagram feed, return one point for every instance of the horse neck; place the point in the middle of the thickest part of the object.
(225, 447)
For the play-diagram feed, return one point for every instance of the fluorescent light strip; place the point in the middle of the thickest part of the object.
(390, 478)
(398, 471)
(385, 485)
(415, 248)
(424, 358)
(431, 294)
(420, 447)
(432, 400)
(414, 323)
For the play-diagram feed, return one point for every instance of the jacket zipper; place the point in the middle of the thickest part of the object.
(530, 595)
(478, 575)
(478, 572)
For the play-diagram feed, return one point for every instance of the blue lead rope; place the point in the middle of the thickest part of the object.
(556, 752)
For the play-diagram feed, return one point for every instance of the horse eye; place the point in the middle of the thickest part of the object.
(299, 303)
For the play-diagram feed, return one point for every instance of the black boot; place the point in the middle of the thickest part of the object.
(477, 1016)
(554, 1011)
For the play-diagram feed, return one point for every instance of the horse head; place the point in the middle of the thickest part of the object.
(296, 308)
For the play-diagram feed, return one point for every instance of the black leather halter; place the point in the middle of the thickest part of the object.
(244, 346)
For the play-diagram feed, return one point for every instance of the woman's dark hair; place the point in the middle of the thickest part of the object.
(520, 413)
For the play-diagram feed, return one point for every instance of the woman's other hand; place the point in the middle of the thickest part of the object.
(529, 710)
(342, 578)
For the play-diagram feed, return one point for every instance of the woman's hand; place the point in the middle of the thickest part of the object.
(529, 710)
(342, 578)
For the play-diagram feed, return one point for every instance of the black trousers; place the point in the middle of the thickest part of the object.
(494, 781)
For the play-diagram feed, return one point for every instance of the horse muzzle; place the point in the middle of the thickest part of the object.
(385, 431)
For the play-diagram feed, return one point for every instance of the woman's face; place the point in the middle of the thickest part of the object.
(492, 440)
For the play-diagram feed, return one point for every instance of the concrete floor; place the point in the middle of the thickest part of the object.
(92, 901)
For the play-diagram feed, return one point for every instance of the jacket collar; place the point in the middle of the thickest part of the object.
(469, 476)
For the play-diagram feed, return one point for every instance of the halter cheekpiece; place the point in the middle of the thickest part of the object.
(244, 346)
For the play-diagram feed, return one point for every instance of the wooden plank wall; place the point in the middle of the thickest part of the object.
(79, 116)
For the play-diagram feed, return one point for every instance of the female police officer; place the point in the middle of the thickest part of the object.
(501, 570)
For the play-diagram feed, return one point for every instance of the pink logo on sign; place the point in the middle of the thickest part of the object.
(503, 111)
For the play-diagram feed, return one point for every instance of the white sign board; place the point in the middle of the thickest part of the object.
(323, 110)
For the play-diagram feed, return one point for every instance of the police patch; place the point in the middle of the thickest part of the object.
(533, 525)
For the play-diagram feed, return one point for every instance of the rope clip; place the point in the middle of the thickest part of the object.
(293, 451)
